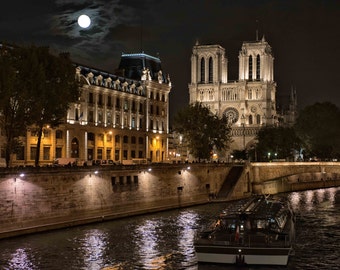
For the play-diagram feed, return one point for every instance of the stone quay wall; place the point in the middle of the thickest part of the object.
(49, 198)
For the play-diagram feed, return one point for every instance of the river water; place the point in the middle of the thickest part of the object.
(165, 240)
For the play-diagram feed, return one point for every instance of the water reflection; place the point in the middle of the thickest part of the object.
(20, 260)
(146, 240)
(93, 247)
(165, 240)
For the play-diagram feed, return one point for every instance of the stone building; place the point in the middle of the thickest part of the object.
(122, 117)
(249, 102)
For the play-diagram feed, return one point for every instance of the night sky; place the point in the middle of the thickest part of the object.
(304, 35)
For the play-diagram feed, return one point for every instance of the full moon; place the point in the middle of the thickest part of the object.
(84, 21)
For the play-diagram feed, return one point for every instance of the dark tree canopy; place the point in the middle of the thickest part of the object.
(41, 85)
(203, 131)
(277, 142)
(318, 126)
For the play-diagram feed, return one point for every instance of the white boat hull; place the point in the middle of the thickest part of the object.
(251, 256)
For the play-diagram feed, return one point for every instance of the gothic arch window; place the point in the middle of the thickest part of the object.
(258, 67)
(250, 94)
(211, 70)
(250, 119)
(202, 70)
(201, 95)
(257, 94)
(258, 119)
(250, 74)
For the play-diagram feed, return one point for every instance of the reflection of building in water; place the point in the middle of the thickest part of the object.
(121, 117)
(250, 102)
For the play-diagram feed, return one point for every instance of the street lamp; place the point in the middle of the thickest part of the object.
(268, 156)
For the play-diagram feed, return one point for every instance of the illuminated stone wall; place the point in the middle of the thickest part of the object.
(60, 198)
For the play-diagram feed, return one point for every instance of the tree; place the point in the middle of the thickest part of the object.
(318, 126)
(36, 90)
(203, 131)
(13, 102)
(277, 142)
(50, 83)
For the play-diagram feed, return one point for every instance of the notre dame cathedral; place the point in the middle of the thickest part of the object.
(249, 102)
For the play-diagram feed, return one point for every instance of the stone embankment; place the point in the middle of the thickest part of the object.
(40, 199)
(49, 198)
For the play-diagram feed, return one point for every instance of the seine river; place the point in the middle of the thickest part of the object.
(165, 240)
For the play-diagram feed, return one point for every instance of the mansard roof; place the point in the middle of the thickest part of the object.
(132, 66)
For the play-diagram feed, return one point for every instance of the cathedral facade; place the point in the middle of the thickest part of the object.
(249, 102)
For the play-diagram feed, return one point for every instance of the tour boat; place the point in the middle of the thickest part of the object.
(257, 231)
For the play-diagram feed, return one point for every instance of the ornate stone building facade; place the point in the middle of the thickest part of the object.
(122, 117)
(250, 102)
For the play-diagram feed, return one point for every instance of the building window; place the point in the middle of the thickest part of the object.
(46, 151)
(125, 139)
(126, 105)
(90, 117)
(133, 154)
(33, 152)
(99, 153)
(109, 101)
(90, 136)
(108, 137)
(250, 119)
(140, 154)
(101, 137)
(109, 118)
(211, 70)
(117, 103)
(250, 76)
(140, 140)
(113, 181)
(58, 152)
(258, 119)
(100, 100)
(100, 117)
(250, 94)
(117, 139)
(258, 67)
(202, 70)
(58, 134)
(133, 140)
(91, 98)
(133, 122)
(125, 154)
(116, 155)
(118, 119)
(108, 153)
(140, 107)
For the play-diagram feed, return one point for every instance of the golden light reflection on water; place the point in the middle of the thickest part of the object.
(312, 198)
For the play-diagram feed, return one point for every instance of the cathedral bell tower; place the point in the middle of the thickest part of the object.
(256, 62)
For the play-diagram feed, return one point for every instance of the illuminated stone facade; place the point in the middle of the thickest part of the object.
(250, 102)
(122, 117)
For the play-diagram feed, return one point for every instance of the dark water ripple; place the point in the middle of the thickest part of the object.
(165, 240)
